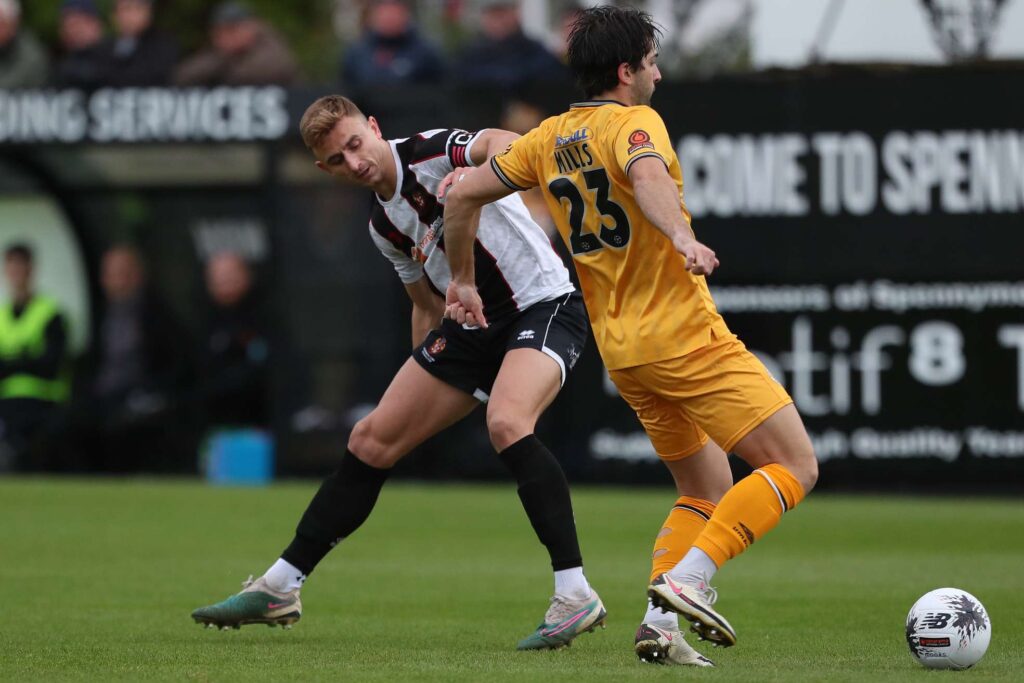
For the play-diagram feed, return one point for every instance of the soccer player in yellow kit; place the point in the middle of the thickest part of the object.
(613, 183)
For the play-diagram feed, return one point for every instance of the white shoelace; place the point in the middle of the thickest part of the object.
(561, 608)
(709, 594)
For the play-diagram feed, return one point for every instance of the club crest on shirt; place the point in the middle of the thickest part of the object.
(438, 346)
(418, 200)
(639, 139)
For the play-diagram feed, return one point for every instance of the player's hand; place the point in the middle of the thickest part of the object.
(449, 180)
(700, 260)
(463, 305)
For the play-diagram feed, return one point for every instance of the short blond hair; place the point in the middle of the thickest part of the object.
(323, 115)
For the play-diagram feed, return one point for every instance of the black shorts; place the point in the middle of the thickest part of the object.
(470, 359)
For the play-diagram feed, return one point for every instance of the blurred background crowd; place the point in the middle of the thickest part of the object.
(91, 44)
(182, 335)
(148, 389)
(121, 43)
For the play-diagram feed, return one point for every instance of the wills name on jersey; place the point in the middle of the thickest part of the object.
(644, 305)
(515, 264)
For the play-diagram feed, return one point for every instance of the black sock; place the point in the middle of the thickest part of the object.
(342, 504)
(545, 496)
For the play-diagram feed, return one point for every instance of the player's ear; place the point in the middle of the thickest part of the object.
(374, 126)
(319, 164)
(625, 73)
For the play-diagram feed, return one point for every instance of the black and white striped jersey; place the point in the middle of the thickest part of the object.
(516, 266)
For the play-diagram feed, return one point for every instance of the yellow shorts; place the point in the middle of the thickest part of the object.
(722, 391)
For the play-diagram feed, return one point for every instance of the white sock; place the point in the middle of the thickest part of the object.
(571, 583)
(284, 577)
(666, 620)
(695, 568)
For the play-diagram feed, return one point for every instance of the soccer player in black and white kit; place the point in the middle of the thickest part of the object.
(538, 327)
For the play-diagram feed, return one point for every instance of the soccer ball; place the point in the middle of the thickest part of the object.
(948, 629)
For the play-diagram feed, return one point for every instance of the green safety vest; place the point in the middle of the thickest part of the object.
(26, 335)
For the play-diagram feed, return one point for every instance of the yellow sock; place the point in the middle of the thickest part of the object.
(748, 511)
(683, 525)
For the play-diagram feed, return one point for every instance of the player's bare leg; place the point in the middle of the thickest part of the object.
(526, 385)
(415, 406)
(785, 470)
(701, 480)
(782, 440)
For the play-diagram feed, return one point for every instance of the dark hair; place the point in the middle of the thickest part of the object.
(18, 251)
(605, 37)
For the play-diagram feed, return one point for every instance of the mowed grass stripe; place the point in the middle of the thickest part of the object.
(98, 578)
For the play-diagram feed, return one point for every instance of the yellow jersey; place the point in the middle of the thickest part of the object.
(644, 305)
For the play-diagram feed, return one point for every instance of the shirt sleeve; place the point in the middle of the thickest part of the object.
(515, 166)
(409, 269)
(460, 142)
(442, 150)
(643, 134)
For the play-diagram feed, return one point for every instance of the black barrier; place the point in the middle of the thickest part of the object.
(870, 226)
(869, 223)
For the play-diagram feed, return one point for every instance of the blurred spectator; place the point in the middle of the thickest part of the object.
(521, 115)
(85, 63)
(139, 54)
(33, 360)
(234, 361)
(567, 19)
(503, 56)
(23, 61)
(243, 51)
(392, 50)
(135, 377)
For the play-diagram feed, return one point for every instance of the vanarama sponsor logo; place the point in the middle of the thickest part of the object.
(578, 135)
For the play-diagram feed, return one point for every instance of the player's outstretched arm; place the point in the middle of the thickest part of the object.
(490, 142)
(658, 197)
(471, 191)
(427, 309)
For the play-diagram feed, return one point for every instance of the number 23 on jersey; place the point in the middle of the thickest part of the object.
(595, 220)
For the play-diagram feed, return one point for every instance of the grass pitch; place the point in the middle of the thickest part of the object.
(97, 579)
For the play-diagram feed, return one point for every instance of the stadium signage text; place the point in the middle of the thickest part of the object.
(903, 172)
(864, 443)
(134, 115)
(855, 354)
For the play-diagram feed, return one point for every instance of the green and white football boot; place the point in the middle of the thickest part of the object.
(256, 604)
(565, 620)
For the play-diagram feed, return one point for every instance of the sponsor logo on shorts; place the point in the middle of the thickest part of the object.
(639, 139)
(434, 349)
(525, 335)
(574, 355)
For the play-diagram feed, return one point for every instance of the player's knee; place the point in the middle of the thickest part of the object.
(505, 429)
(715, 489)
(803, 465)
(810, 472)
(367, 445)
(709, 488)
